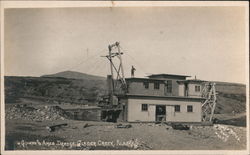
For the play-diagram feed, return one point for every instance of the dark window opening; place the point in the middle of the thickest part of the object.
(75, 115)
(197, 88)
(189, 108)
(146, 85)
(156, 85)
(169, 86)
(144, 107)
(177, 108)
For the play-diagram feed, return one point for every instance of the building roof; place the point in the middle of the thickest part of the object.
(143, 79)
(178, 98)
(191, 81)
(168, 75)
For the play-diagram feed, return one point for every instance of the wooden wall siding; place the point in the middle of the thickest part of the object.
(175, 88)
(139, 89)
(136, 114)
(191, 90)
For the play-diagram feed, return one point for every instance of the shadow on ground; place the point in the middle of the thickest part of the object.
(241, 121)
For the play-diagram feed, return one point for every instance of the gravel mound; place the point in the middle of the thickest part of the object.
(41, 114)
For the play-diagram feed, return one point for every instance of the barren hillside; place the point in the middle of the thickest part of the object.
(75, 87)
(82, 91)
(231, 97)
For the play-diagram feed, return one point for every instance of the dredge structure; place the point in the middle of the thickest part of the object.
(118, 88)
(208, 107)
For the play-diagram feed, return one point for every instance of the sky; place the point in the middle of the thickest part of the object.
(206, 42)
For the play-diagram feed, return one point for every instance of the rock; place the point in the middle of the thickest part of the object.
(123, 126)
(85, 125)
(54, 127)
(180, 127)
(30, 113)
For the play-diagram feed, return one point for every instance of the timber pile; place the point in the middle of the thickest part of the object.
(30, 113)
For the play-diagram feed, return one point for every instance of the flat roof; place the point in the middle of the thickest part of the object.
(191, 81)
(143, 79)
(182, 98)
(168, 75)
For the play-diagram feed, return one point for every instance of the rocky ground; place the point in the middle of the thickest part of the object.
(26, 135)
(26, 112)
(27, 129)
(27, 125)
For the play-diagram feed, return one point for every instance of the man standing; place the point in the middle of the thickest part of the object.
(133, 71)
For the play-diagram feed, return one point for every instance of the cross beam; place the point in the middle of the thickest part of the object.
(209, 105)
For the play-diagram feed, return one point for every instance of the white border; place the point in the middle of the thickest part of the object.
(62, 4)
(247, 75)
(59, 4)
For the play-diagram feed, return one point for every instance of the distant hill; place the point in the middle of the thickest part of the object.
(75, 87)
(230, 97)
(227, 87)
(75, 75)
(80, 91)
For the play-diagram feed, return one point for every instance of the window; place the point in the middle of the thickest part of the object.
(177, 108)
(169, 86)
(197, 88)
(144, 107)
(189, 108)
(146, 84)
(156, 85)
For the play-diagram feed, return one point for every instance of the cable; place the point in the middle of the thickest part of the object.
(100, 67)
(130, 61)
(95, 66)
(92, 66)
(84, 61)
(138, 64)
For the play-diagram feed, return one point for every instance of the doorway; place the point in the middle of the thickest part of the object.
(160, 113)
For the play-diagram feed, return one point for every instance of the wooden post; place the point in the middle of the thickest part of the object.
(119, 56)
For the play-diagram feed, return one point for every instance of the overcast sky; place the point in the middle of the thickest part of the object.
(208, 42)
